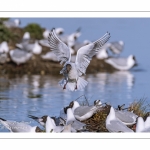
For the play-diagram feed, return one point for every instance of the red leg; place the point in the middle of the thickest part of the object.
(65, 85)
(76, 87)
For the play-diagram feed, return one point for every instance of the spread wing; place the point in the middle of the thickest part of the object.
(85, 53)
(60, 49)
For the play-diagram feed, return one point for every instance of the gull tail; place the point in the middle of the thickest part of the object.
(71, 86)
(81, 83)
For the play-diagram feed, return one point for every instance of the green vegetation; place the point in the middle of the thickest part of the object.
(3, 19)
(35, 31)
(5, 34)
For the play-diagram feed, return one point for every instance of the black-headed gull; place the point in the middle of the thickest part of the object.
(72, 72)
(82, 113)
(14, 126)
(115, 125)
(120, 63)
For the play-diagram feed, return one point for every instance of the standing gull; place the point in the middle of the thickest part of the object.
(115, 125)
(122, 63)
(72, 72)
(82, 113)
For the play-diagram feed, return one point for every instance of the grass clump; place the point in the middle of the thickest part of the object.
(140, 107)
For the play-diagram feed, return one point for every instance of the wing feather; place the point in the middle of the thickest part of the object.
(85, 53)
(60, 49)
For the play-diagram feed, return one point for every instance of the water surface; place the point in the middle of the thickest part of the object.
(41, 95)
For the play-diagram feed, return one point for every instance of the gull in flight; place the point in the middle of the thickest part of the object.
(72, 72)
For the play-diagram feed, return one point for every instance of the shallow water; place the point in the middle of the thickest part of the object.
(41, 95)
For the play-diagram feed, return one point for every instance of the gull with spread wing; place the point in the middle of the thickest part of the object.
(72, 72)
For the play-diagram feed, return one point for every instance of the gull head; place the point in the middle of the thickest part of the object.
(68, 67)
(44, 119)
(97, 102)
(131, 60)
(74, 105)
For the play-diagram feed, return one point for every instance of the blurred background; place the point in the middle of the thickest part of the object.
(29, 72)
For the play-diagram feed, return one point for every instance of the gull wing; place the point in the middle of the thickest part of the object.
(60, 49)
(85, 53)
(14, 126)
(117, 126)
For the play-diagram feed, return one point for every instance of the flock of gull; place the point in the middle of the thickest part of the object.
(27, 48)
(72, 116)
(75, 58)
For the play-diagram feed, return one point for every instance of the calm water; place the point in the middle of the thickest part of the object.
(41, 95)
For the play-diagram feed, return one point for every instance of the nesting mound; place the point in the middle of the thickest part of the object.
(97, 122)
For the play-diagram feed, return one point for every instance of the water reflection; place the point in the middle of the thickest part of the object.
(114, 87)
(40, 95)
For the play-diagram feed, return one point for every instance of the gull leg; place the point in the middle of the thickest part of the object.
(65, 85)
(76, 86)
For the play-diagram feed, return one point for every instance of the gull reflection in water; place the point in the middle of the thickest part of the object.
(121, 77)
(116, 86)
